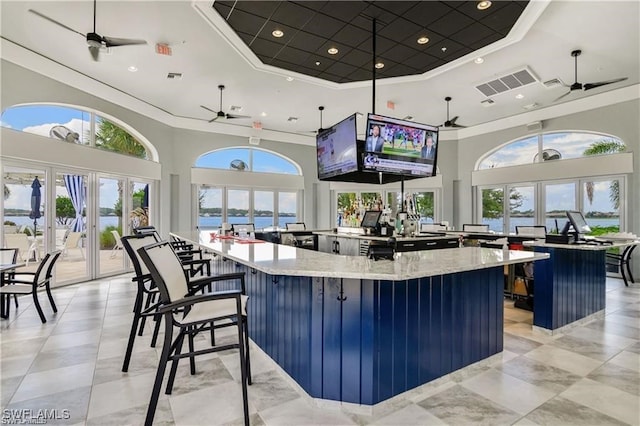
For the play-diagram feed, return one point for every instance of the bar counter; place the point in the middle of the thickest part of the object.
(350, 329)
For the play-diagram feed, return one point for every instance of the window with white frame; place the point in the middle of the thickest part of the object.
(74, 125)
(600, 198)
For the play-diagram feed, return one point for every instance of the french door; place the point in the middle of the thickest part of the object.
(76, 212)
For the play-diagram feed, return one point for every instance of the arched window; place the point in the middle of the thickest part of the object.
(532, 195)
(74, 125)
(248, 159)
(249, 197)
(554, 146)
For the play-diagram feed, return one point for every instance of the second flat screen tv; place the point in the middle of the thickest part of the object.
(400, 147)
(337, 149)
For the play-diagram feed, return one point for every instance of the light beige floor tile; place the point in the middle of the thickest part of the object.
(605, 399)
(564, 359)
(410, 415)
(628, 360)
(300, 413)
(215, 405)
(508, 391)
(602, 337)
(121, 394)
(69, 340)
(48, 382)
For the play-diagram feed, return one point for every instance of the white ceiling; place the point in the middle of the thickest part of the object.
(606, 31)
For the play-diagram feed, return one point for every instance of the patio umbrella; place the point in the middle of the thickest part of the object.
(36, 198)
(76, 191)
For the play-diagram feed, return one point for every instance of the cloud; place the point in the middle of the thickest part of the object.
(75, 124)
(7, 125)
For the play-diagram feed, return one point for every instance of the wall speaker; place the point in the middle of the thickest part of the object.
(535, 126)
(254, 141)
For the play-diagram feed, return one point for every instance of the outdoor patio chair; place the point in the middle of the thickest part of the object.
(146, 303)
(9, 256)
(118, 246)
(73, 241)
(622, 262)
(30, 282)
(22, 243)
(192, 313)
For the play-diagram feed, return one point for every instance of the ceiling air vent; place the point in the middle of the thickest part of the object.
(507, 82)
(487, 102)
(554, 82)
(174, 76)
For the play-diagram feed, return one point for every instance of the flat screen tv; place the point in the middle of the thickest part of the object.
(370, 218)
(337, 149)
(397, 146)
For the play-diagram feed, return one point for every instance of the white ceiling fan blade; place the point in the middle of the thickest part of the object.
(35, 12)
(557, 99)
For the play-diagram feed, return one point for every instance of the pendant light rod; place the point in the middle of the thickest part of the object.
(373, 65)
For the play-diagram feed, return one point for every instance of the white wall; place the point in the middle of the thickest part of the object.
(178, 149)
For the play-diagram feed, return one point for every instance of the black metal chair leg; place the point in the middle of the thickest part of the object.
(156, 330)
(174, 363)
(628, 265)
(243, 372)
(50, 296)
(144, 319)
(192, 359)
(132, 337)
(162, 365)
(38, 307)
(15, 298)
(248, 357)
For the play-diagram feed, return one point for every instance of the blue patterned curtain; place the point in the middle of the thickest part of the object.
(77, 193)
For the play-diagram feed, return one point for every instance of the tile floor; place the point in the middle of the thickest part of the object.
(587, 376)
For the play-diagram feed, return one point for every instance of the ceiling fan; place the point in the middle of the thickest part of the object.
(451, 122)
(94, 40)
(586, 86)
(220, 113)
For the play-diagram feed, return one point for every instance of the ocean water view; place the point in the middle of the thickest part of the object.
(212, 222)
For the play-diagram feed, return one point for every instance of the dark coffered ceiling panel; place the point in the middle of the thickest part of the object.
(454, 29)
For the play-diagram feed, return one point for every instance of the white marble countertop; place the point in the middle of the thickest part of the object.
(276, 259)
(426, 236)
(591, 247)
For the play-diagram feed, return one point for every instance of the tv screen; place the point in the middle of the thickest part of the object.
(399, 146)
(337, 149)
(578, 222)
(370, 218)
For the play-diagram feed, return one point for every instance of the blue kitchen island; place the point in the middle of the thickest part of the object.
(347, 328)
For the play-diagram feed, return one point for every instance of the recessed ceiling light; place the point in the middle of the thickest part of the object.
(478, 60)
(263, 114)
(519, 96)
(380, 65)
(423, 40)
(277, 33)
(133, 68)
(443, 48)
(332, 51)
(483, 5)
(317, 63)
(289, 78)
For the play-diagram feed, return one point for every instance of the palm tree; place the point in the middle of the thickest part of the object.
(605, 146)
(114, 138)
(7, 192)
